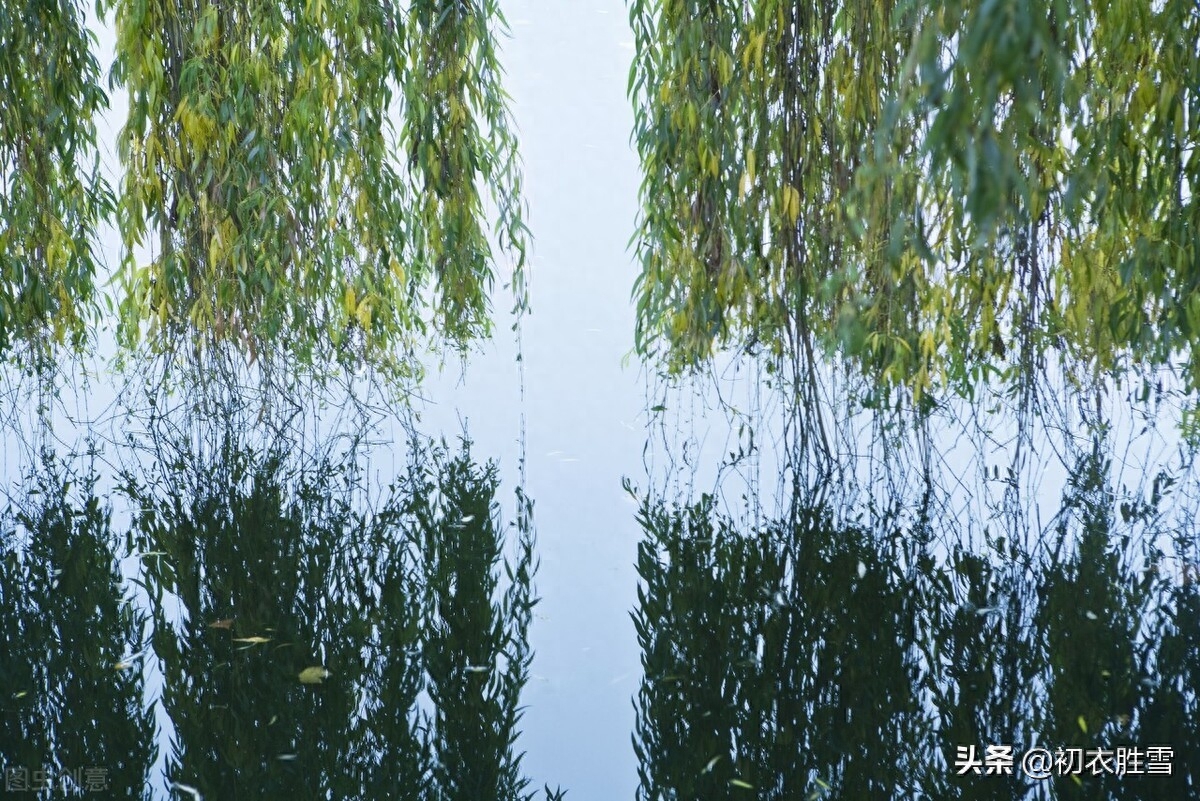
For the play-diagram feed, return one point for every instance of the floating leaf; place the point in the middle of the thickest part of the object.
(314, 675)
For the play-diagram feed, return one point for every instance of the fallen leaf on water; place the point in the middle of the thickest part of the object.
(314, 675)
(252, 640)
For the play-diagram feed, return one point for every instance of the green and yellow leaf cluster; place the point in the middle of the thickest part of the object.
(51, 193)
(313, 181)
(309, 176)
(938, 192)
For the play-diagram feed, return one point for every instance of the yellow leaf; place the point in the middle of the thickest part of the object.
(314, 675)
(1082, 724)
(791, 203)
(724, 66)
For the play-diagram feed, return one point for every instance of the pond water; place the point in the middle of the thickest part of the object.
(473, 605)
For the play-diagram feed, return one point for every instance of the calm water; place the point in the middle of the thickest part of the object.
(263, 624)
(202, 610)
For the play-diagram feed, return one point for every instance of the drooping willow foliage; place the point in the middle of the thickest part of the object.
(303, 180)
(285, 209)
(51, 193)
(938, 191)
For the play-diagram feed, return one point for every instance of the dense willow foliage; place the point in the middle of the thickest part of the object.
(50, 193)
(303, 179)
(939, 191)
(264, 169)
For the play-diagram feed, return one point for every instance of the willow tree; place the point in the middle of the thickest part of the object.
(311, 179)
(937, 191)
(51, 195)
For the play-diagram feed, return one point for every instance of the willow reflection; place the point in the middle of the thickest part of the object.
(316, 644)
(72, 716)
(815, 656)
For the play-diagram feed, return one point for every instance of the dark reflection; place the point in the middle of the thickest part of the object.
(1089, 612)
(811, 657)
(476, 647)
(246, 563)
(777, 661)
(313, 648)
(306, 639)
(72, 715)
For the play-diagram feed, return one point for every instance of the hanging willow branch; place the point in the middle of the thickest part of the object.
(51, 197)
(938, 192)
(752, 124)
(309, 177)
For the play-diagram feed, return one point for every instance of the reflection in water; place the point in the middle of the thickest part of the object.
(72, 717)
(764, 678)
(476, 649)
(811, 658)
(310, 644)
(248, 581)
